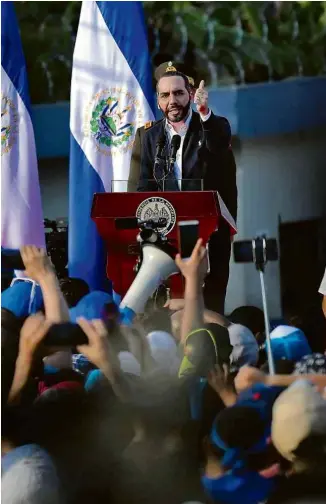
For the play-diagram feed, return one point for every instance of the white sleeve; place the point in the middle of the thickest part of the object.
(322, 288)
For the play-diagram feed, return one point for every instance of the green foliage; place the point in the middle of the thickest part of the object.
(239, 41)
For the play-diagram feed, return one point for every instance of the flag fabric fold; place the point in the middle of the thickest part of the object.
(111, 96)
(21, 207)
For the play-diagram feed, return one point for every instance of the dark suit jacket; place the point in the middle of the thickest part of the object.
(206, 155)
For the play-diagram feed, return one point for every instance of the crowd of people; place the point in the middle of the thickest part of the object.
(177, 408)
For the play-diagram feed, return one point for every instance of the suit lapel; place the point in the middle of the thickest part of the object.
(191, 145)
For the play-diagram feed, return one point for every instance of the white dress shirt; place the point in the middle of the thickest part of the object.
(171, 132)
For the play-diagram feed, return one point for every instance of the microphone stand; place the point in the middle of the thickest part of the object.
(158, 162)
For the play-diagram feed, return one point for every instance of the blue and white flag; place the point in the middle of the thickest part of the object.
(111, 96)
(21, 207)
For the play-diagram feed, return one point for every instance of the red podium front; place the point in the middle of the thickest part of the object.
(122, 245)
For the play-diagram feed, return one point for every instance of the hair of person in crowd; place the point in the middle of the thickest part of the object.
(73, 289)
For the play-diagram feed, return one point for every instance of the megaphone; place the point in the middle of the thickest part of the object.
(157, 265)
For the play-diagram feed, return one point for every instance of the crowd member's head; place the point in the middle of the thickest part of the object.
(29, 475)
(289, 343)
(299, 427)
(164, 351)
(22, 298)
(245, 347)
(157, 320)
(203, 349)
(252, 318)
(244, 429)
(311, 364)
(92, 306)
(73, 289)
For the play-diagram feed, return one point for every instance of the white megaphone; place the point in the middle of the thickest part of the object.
(157, 265)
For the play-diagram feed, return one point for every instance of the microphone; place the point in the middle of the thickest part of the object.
(159, 147)
(175, 145)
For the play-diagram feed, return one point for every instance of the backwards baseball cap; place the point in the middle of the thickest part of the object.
(245, 428)
(23, 298)
(91, 306)
(204, 348)
(173, 66)
(289, 343)
(298, 413)
(245, 347)
(29, 475)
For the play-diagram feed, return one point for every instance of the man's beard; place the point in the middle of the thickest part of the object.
(182, 114)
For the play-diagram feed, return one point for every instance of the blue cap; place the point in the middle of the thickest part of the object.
(289, 343)
(261, 398)
(23, 298)
(244, 486)
(91, 306)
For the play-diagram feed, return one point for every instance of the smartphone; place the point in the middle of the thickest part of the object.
(247, 252)
(188, 237)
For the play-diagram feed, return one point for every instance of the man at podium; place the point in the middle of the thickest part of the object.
(189, 150)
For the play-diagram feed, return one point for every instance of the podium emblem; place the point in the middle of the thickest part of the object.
(156, 208)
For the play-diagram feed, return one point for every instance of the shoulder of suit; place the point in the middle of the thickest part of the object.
(148, 125)
(151, 126)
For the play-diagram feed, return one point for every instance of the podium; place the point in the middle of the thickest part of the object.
(123, 248)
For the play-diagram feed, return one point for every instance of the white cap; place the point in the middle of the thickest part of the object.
(245, 347)
(129, 364)
(164, 351)
(299, 412)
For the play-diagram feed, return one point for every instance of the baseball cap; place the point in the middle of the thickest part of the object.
(245, 428)
(245, 347)
(204, 348)
(298, 413)
(91, 306)
(164, 351)
(129, 364)
(29, 475)
(289, 343)
(23, 298)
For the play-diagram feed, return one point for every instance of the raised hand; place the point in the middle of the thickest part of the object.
(219, 380)
(98, 350)
(247, 377)
(37, 263)
(201, 99)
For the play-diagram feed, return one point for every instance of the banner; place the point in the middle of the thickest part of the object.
(111, 96)
(21, 207)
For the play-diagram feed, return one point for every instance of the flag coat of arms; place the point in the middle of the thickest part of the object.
(111, 96)
(21, 207)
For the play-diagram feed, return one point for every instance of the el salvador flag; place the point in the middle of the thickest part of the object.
(21, 207)
(111, 96)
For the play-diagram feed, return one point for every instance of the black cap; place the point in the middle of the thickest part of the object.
(174, 66)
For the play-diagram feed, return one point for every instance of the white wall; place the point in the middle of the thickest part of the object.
(281, 176)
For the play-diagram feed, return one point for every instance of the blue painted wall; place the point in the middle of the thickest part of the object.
(256, 110)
